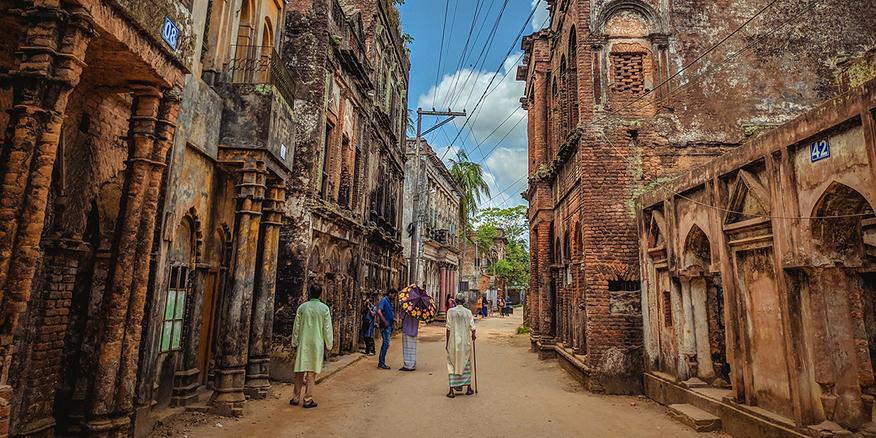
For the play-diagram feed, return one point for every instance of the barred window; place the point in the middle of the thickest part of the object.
(667, 309)
(174, 309)
(629, 72)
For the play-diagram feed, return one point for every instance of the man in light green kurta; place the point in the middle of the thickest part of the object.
(312, 336)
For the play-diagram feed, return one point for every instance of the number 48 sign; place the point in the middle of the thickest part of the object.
(819, 150)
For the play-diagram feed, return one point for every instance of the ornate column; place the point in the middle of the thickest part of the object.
(257, 373)
(111, 395)
(49, 63)
(228, 396)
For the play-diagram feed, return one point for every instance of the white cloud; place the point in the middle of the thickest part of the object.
(505, 162)
(541, 15)
(509, 167)
(463, 89)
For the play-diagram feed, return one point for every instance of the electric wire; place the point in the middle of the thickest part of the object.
(440, 53)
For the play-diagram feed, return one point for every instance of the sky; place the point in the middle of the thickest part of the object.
(458, 76)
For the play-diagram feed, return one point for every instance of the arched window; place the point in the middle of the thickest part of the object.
(245, 64)
(564, 101)
(572, 79)
(567, 248)
(697, 250)
(266, 52)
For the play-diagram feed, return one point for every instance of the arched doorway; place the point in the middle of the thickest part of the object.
(703, 306)
(580, 294)
(840, 291)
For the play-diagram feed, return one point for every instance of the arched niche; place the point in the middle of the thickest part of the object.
(697, 250)
(837, 224)
(630, 18)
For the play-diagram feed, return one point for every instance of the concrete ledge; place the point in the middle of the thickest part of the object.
(698, 419)
(736, 420)
(342, 363)
(575, 367)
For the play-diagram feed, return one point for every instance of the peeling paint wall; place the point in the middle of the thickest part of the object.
(767, 259)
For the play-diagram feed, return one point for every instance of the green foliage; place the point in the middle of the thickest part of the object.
(513, 220)
(484, 236)
(470, 178)
(514, 268)
(523, 330)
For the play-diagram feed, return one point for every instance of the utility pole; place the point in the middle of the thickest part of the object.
(416, 215)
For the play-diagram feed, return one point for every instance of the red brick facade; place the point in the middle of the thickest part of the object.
(602, 130)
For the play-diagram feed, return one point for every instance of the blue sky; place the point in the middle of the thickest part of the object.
(496, 133)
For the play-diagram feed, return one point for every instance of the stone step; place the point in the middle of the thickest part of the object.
(696, 418)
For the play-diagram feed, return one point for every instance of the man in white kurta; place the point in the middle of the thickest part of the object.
(460, 337)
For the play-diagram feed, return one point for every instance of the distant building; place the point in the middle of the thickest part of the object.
(438, 217)
(476, 278)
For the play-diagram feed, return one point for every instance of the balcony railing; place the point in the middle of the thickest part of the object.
(260, 65)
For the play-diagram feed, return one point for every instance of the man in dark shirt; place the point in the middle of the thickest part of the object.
(386, 318)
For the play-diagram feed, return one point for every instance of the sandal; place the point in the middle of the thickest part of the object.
(469, 392)
(308, 404)
(294, 402)
(451, 394)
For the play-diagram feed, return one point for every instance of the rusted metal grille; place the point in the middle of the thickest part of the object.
(629, 72)
(260, 65)
(667, 309)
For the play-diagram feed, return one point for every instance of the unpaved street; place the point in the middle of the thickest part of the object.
(520, 396)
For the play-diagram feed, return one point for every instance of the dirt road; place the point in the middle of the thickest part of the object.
(520, 396)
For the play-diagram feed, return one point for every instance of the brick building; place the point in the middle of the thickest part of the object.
(343, 215)
(211, 295)
(602, 129)
(90, 101)
(439, 218)
(758, 277)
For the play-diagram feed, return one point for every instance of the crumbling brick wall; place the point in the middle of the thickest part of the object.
(633, 133)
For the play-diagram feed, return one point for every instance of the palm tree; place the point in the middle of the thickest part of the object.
(470, 178)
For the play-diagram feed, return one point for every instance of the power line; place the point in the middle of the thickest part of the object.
(440, 53)
(501, 64)
(485, 50)
(474, 20)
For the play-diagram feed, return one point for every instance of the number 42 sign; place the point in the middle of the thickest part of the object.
(819, 150)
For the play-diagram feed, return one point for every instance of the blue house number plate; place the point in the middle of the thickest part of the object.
(170, 33)
(819, 150)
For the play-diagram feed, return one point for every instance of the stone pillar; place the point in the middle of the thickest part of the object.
(39, 376)
(257, 380)
(442, 289)
(228, 396)
(49, 63)
(111, 395)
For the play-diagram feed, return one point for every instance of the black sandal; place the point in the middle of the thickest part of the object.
(294, 402)
(451, 394)
(469, 392)
(308, 404)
